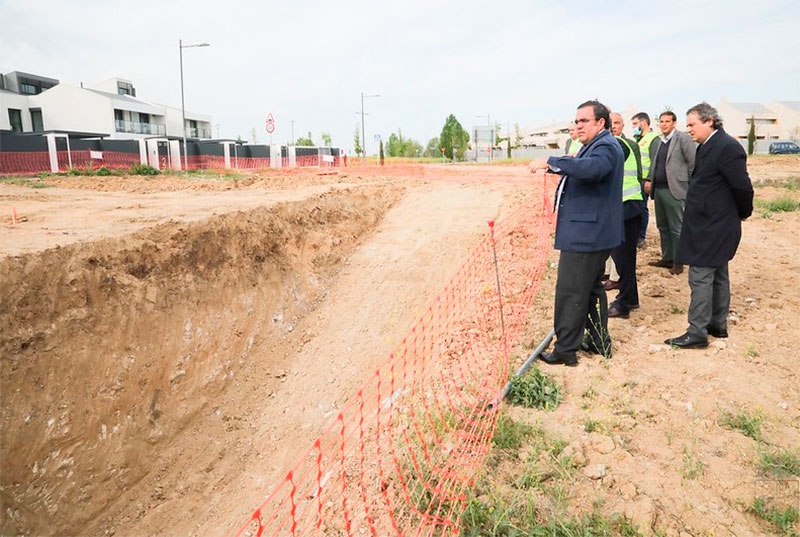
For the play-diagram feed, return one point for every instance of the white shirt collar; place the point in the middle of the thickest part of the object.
(710, 135)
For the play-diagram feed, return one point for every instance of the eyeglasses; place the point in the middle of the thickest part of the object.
(583, 120)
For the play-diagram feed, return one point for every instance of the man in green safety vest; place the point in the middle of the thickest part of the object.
(573, 145)
(648, 141)
(624, 255)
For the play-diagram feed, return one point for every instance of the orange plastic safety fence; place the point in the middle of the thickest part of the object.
(30, 162)
(107, 159)
(400, 458)
(24, 162)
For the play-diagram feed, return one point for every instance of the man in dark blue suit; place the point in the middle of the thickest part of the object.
(720, 196)
(589, 225)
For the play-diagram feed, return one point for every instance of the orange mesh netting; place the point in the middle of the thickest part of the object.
(400, 458)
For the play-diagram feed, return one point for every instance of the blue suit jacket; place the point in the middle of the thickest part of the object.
(590, 217)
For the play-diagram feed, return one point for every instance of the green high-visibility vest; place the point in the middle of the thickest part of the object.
(631, 189)
(574, 146)
(644, 148)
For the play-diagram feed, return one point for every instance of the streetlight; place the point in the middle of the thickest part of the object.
(181, 46)
(364, 134)
(491, 140)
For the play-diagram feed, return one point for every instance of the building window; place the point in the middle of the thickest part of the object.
(36, 120)
(15, 118)
(126, 88)
(31, 86)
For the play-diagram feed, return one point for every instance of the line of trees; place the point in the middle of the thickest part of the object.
(453, 141)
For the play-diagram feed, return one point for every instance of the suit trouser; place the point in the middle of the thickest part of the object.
(645, 220)
(669, 219)
(580, 302)
(624, 257)
(711, 299)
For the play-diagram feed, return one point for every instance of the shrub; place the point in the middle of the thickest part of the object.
(143, 169)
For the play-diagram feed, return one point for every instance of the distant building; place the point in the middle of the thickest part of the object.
(110, 109)
(775, 120)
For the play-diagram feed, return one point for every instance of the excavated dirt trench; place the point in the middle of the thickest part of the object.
(111, 348)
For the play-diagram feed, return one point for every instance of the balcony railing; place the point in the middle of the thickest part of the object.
(194, 132)
(137, 127)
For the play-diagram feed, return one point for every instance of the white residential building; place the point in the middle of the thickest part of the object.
(110, 109)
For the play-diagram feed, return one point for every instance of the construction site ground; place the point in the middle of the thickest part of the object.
(171, 344)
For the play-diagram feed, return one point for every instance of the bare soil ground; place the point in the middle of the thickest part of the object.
(170, 345)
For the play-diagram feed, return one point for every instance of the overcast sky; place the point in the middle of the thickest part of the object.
(519, 61)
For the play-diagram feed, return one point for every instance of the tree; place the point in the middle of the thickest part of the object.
(454, 138)
(326, 139)
(517, 136)
(307, 142)
(397, 146)
(357, 142)
(433, 148)
(381, 152)
(751, 136)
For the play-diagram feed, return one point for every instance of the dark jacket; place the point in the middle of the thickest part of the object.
(720, 196)
(590, 210)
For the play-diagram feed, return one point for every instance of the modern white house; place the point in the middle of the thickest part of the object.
(109, 109)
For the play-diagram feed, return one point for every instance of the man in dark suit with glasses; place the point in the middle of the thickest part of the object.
(589, 225)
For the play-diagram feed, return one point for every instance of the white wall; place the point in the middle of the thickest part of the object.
(67, 107)
(19, 102)
(788, 119)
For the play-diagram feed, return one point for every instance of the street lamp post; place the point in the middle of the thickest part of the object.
(364, 134)
(181, 46)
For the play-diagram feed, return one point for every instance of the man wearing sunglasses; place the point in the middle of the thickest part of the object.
(589, 225)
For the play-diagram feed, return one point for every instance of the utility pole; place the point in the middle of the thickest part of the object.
(363, 133)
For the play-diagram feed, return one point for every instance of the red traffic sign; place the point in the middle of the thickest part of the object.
(270, 125)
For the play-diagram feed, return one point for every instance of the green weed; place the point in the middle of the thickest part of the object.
(780, 462)
(783, 204)
(784, 519)
(509, 434)
(692, 465)
(29, 182)
(749, 424)
(534, 390)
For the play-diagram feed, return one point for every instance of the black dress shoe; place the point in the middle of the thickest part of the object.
(610, 285)
(614, 311)
(593, 349)
(661, 263)
(552, 359)
(687, 341)
(717, 332)
(676, 269)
